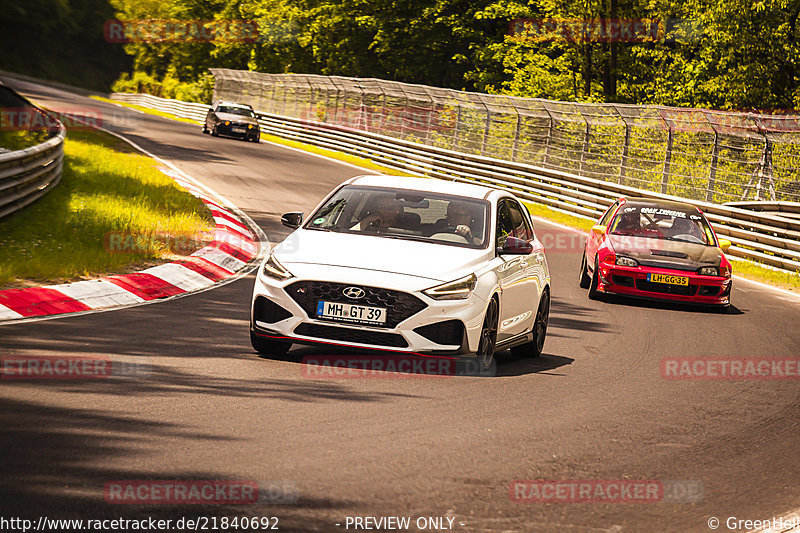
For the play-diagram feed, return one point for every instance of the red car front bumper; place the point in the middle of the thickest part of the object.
(633, 281)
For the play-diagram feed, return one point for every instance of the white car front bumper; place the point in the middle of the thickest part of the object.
(301, 325)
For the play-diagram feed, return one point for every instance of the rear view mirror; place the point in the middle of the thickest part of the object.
(724, 244)
(599, 230)
(292, 220)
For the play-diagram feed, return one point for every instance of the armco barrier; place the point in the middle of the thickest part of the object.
(772, 239)
(190, 110)
(26, 175)
(697, 154)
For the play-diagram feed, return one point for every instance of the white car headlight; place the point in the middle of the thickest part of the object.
(626, 261)
(273, 269)
(708, 271)
(459, 289)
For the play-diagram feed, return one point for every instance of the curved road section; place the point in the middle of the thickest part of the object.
(638, 417)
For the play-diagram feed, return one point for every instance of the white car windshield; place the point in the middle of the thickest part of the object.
(662, 223)
(404, 214)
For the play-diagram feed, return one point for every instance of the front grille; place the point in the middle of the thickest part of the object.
(266, 310)
(399, 305)
(361, 336)
(665, 288)
(625, 281)
(450, 332)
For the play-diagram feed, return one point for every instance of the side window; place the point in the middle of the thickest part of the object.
(522, 229)
(505, 223)
(607, 215)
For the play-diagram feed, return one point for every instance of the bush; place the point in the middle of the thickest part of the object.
(170, 87)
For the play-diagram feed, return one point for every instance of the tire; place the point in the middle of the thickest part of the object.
(486, 344)
(593, 294)
(205, 129)
(585, 280)
(268, 346)
(536, 346)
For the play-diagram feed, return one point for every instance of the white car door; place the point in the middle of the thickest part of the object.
(515, 275)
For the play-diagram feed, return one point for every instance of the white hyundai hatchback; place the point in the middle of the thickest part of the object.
(410, 265)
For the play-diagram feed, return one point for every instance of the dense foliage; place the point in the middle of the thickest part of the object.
(61, 40)
(729, 54)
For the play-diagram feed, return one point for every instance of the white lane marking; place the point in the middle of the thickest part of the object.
(8, 314)
(219, 258)
(180, 276)
(97, 293)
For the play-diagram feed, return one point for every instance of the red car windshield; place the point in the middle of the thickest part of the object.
(662, 223)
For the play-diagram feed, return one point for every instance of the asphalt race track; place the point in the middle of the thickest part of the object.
(204, 406)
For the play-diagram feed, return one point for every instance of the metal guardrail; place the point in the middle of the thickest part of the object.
(770, 239)
(27, 175)
(697, 154)
(190, 110)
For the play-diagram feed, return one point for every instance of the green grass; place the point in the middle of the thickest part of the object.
(340, 156)
(143, 109)
(541, 210)
(105, 189)
(779, 278)
(12, 140)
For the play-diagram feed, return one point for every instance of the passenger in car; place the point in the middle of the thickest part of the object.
(382, 217)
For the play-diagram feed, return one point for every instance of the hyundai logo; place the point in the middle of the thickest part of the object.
(353, 292)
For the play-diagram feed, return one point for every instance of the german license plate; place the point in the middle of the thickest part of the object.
(237, 130)
(358, 314)
(669, 280)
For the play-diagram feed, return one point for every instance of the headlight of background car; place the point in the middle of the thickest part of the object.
(626, 261)
(459, 289)
(708, 271)
(273, 269)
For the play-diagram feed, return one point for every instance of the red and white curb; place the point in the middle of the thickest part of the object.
(236, 244)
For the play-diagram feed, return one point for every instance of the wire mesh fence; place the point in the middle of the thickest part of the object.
(692, 153)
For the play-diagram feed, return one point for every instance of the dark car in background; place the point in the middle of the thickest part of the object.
(232, 120)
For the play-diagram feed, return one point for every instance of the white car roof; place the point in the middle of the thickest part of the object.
(424, 184)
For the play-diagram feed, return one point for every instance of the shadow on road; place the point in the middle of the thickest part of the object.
(49, 453)
(614, 299)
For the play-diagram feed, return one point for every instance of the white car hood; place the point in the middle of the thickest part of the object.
(438, 262)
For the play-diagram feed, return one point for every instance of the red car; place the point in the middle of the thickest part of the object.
(656, 249)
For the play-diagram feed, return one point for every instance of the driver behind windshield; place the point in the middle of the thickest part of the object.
(629, 223)
(683, 227)
(458, 220)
